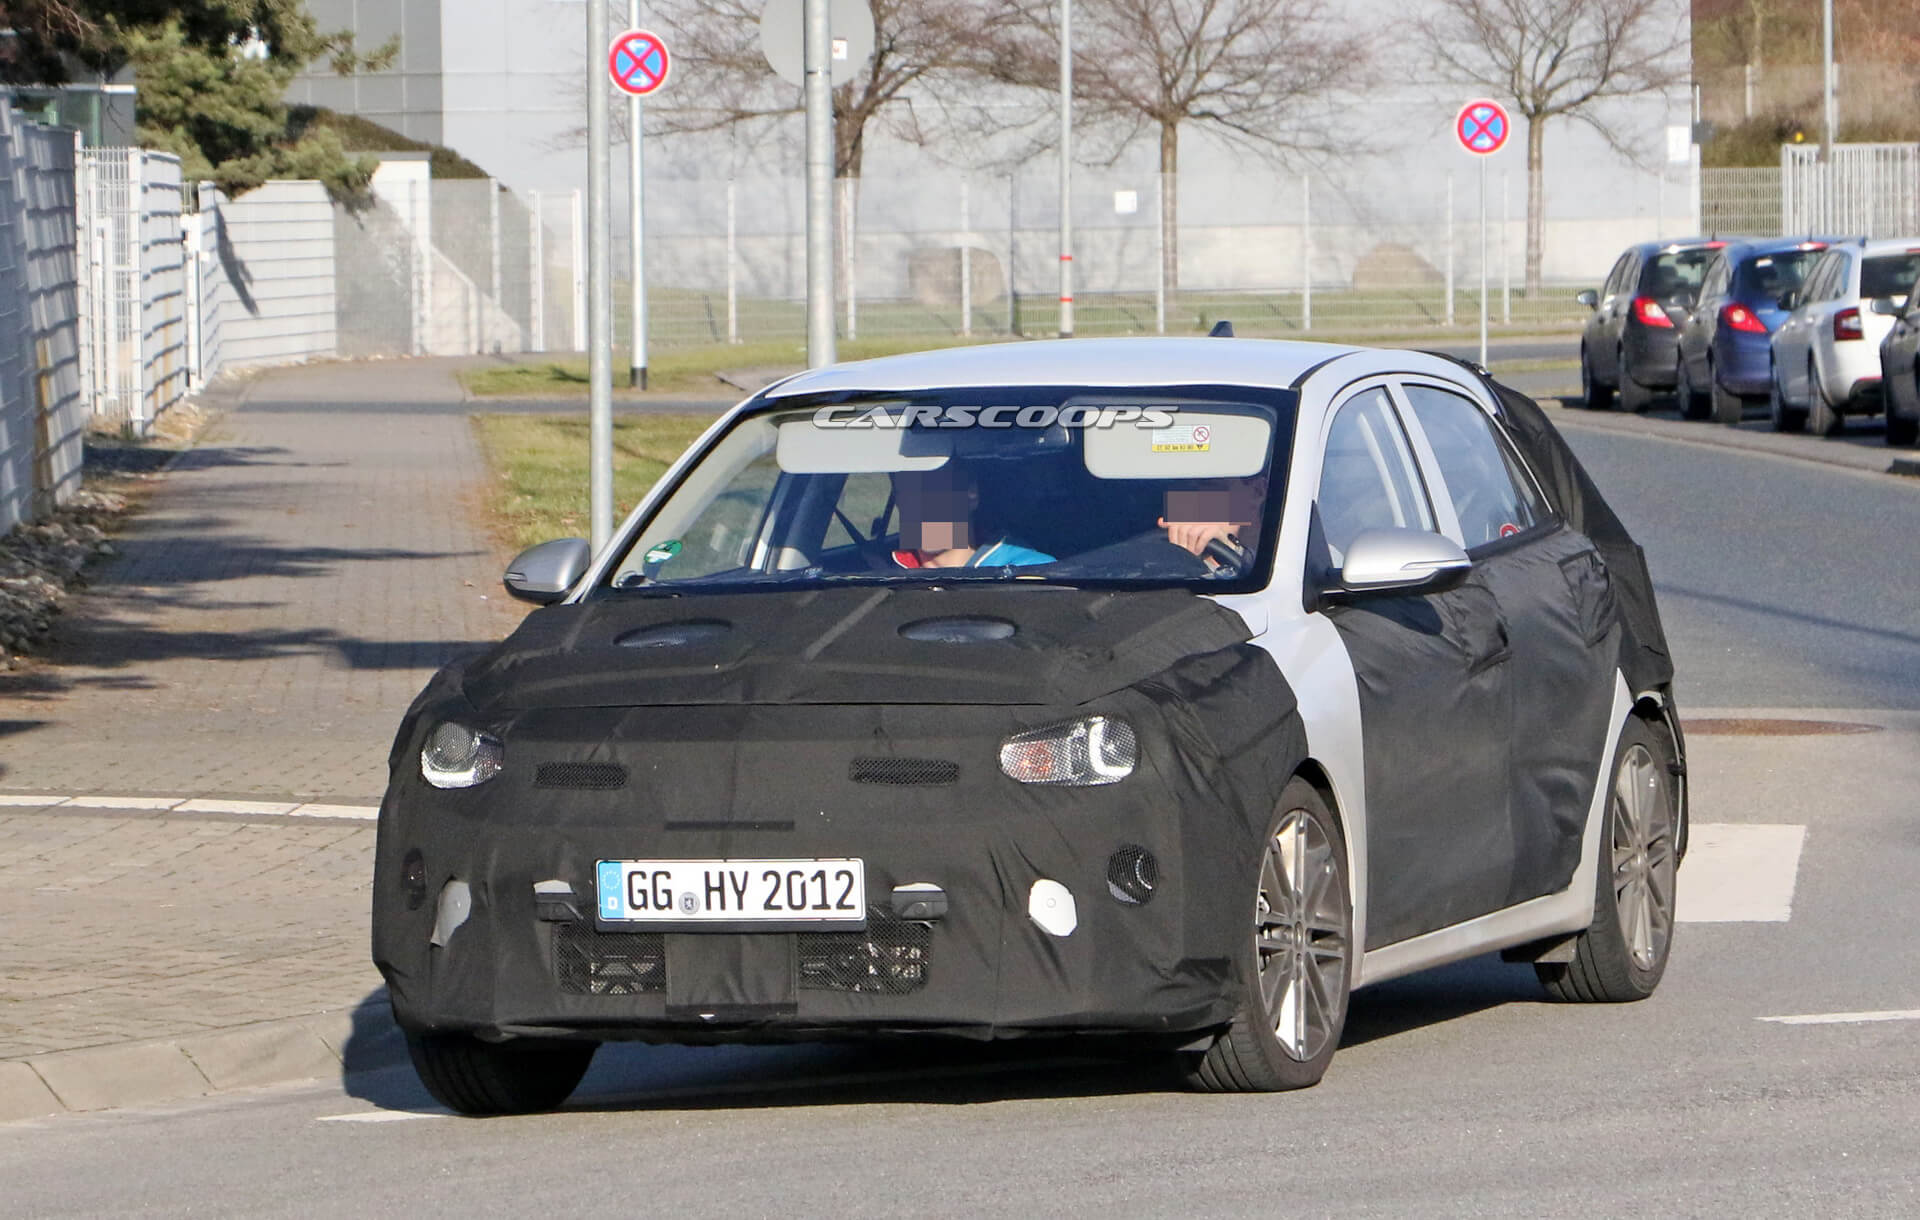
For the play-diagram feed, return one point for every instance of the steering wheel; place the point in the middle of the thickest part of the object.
(1232, 559)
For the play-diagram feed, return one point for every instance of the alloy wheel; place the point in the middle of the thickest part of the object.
(1300, 936)
(1644, 861)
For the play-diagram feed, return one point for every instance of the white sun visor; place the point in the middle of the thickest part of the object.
(804, 447)
(1211, 441)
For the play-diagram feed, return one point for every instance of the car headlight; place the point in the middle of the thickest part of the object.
(1080, 754)
(458, 757)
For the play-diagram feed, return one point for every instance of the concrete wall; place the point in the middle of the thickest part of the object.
(267, 276)
(406, 97)
(42, 412)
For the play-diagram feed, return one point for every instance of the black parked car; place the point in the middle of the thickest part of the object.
(1631, 345)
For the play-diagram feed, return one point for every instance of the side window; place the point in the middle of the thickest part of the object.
(1492, 494)
(1368, 479)
(1833, 277)
(1617, 278)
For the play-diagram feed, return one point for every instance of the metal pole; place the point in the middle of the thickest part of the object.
(733, 299)
(1506, 247)
(636, 230)
(1829, 117)
(1066, 169)
(966, 264)
(849, 200)
(599, 286)
(1013, 255)
(819, 97)
(536, 276)
(1483, 262)
(1306, 252)
(1449, 247)
(1160, 256)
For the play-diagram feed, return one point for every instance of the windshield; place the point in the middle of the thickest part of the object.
(1048, 485)
(1772, 276)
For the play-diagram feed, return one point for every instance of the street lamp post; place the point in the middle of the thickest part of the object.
(1066, 169)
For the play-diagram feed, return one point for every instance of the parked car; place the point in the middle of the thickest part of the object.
(1631, 343)
(1900, 366)
(1826, 355)
(1724, 352)
(1161, 687)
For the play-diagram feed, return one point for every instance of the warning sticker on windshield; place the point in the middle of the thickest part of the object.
(1185, 438)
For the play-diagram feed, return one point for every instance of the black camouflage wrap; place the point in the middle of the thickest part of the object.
(742, 744)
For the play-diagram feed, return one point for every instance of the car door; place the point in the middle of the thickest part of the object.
(1615, 299)
(1550, 589)
(1790, 341)
(1696, 336)
(1432, 678)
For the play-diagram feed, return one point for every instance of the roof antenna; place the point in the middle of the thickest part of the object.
(1222, 329)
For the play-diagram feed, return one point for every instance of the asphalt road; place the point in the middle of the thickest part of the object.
(1460, 1092)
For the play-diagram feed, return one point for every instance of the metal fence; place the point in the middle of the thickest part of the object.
(1277, 253)
(43, 413)
(1866, 190)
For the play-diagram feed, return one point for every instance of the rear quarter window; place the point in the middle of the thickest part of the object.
(1889, 275)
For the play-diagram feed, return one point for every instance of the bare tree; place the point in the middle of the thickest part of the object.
(1554, 59)
(1261, 74)
(731, 87)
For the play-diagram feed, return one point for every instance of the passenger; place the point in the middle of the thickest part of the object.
(937, 511)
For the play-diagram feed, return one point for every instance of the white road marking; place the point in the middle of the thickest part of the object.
(1739, 873)
(365, 813)
(383, 1116)
(1848, 1018)
(191, 804)
(202, 805)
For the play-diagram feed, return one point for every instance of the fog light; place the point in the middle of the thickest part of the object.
(1132, 872)
(413, 878)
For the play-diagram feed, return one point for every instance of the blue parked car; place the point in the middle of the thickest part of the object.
(1724, 360)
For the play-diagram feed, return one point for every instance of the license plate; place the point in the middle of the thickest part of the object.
(765, 894)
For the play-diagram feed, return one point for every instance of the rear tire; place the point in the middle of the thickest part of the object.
(1693, 404)
(1623, 953)
(1296, 961)
(1901, 429)
(1634, 397)
(1783, 417)
(1593, 395)
(1728, 407)
(479, 1078)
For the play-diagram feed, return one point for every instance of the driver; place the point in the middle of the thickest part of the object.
(1223, 510)
(937, 510)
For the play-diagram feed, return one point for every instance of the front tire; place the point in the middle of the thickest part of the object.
(1783, 417)
(1593, 395)
(1296, 961)
(1693, 404)
(1728, 407)
(1623, 953)
(1901, 429)
(1634, 397)
(478, 1078)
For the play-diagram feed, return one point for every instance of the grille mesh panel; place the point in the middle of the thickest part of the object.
(598, 776)
(905, 772)
(890, 958)
(587, 962)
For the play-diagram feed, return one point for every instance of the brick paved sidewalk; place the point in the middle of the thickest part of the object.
(290, 587)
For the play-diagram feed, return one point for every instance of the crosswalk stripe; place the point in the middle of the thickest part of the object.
(1848, 1018)
(1737, 872)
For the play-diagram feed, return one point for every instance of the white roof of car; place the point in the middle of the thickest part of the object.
(1090, 362)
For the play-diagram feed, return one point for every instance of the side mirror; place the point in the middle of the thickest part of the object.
(1400, 561)
(1885, 307)
(543, 574)
(1589, 298)
(1790, 300)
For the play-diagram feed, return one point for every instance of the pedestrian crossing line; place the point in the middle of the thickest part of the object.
(1739, 872)
(1847, 1018)
(190, 804)
(383, 1116)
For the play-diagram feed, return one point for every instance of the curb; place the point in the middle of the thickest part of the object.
(342, 1042)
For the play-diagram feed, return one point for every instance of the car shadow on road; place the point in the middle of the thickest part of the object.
(628, 1077)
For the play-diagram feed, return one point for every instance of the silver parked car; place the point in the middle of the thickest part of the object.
(1826, 362)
